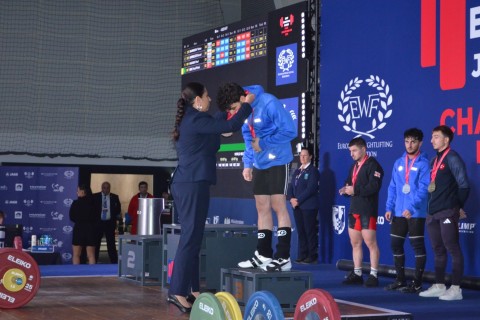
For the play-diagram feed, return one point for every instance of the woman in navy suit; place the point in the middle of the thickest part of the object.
(197, 140)
(303, 195)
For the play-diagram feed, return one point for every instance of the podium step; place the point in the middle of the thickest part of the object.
(287, 286)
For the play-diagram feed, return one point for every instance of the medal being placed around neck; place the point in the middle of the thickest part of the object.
(406, 188)
(431, 187)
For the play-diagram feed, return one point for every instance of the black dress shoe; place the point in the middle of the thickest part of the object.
(173, 300)
(299, 260)
(310, 261)
(191, 299)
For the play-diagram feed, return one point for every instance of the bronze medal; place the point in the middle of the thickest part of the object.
(406, 188)
(431, 187)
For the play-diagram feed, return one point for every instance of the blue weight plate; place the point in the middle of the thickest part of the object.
(263, 305)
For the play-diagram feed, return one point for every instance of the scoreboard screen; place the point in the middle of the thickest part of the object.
(234, 46)
(268, 50)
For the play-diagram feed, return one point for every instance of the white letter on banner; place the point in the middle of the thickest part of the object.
(476, 73)
(474, 22)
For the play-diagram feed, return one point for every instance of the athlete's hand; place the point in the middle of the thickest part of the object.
(463, 214)
(247, 174)
(388, 215)
(349, 190)
(249, 98)
(256, 144)
(407, 214)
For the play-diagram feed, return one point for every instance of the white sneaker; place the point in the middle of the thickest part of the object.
(436, 290)
(453, 293)
(258, 261)
(279, 264)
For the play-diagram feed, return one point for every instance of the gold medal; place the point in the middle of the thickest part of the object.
(431, 187)
(406, 188)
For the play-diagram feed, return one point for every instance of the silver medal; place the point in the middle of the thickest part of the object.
(406, 188)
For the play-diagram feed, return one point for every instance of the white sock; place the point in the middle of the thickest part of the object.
(358, 271)
(373, 272)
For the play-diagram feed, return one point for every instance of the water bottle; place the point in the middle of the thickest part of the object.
(34, 240)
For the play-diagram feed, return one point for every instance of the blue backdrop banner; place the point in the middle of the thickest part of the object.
(39, 199)
(388, 66)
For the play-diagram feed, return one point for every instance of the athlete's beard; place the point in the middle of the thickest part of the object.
(412, 153)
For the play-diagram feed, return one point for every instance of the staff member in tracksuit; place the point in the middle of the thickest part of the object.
(407, 208)
(363, 186)
(197, 140)
(303, 196)
(448, 191)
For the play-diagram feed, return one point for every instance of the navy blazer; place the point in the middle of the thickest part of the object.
(115, 206)
(199, 142)
(304, 186)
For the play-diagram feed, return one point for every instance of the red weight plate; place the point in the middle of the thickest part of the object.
(11, 260)
(316, 304)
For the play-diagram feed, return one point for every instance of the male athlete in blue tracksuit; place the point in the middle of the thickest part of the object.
(406, 209)
(268, 151)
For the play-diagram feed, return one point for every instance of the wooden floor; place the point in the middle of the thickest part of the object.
(95, 298)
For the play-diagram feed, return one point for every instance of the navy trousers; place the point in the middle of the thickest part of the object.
(107, 228)
(307, 230)
(191, 203)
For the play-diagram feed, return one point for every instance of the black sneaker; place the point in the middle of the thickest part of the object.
(397, 285)
(413, 287)
(372, 281)
(353, 278)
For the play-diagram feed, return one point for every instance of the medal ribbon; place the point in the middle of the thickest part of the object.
(230, 115)
(407, 167)
(433, 174)
(250, 126)
(356, 169)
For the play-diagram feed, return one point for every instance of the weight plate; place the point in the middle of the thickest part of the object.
(263, 305)
(315, 304)
(14, 280)
(230, 306)
(20, 278)
(207, 307)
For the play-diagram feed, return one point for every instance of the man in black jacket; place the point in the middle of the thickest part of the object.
(363, 186)
(107, 206)
(448, 191)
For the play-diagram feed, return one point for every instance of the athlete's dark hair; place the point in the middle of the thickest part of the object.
(359, 142)
(229, 93)
(446, 131)
(413, 133)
